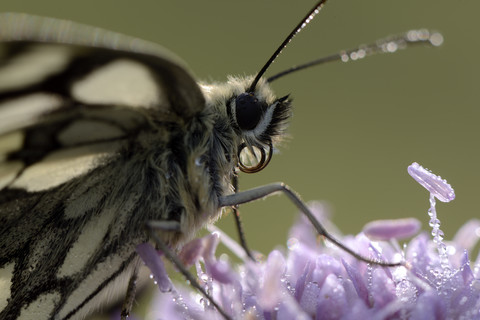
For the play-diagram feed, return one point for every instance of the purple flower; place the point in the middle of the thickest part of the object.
(316, 280)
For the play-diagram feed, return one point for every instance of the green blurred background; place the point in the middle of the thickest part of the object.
(356, 126)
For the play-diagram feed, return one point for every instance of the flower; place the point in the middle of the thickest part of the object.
(313, 279)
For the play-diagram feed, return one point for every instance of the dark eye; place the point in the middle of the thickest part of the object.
(248, 111)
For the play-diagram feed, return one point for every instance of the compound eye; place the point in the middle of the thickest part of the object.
(248, 111)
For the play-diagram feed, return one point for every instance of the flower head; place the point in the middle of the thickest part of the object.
(312, 279)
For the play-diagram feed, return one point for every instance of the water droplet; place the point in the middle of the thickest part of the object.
(475, 284)
(361, 53)
(392, 47)
(344, 56)
(436, 39)
(292, 243)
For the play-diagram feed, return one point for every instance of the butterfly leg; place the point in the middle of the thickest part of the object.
(264, 191)
(238, 221)
(153, 227)
(130, 297)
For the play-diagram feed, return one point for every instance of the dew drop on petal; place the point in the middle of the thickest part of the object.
(204, 277)
(433, 183)
(475, 285)
(451, 250)
(292, 243)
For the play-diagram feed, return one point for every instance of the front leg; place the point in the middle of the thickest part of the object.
(238, 221)
(269, 189)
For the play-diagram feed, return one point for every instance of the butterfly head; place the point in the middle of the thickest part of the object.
(260, 120)
(256, 119)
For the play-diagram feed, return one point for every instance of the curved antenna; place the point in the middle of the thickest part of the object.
(311, 14)
(388, 45)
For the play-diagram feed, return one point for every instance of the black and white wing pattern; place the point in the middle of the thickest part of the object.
(89, 120)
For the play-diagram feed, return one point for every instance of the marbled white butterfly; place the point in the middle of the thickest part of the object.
(101, 134)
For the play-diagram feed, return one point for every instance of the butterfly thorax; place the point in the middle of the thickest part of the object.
(203, 155)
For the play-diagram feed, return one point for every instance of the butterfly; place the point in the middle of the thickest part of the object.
(100, 134)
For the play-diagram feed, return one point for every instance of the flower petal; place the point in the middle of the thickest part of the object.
(152, 260)
(433, 183)
(271, 291)
(392, 229)
(429, 306)
(358, 282)
(192, 251)
(332, 298)
(468, 235)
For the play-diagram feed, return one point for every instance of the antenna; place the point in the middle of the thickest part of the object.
(388, 45)
(309, 17)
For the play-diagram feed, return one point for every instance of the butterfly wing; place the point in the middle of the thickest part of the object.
(75, 106)
(82, 84)
(101, 47)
